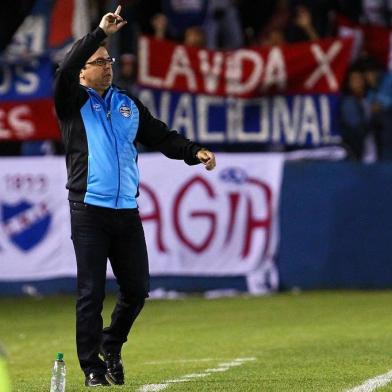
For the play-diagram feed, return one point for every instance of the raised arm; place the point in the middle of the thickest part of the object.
(67, 75)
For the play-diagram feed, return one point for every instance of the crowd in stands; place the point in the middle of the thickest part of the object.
(366, 111)
(366, 106)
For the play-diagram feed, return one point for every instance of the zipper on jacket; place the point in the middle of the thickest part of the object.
(109, 117)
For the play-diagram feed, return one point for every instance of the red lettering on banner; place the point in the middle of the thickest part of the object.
(211, 217)
(27, 183)
(251, 224)
(154, 216)
(234, 199)
(257, 224)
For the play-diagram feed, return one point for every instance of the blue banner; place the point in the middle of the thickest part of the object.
(293, 120)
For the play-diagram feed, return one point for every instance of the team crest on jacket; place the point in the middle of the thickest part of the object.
(126, 111)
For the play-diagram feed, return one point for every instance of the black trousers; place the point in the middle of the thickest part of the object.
(99, 234)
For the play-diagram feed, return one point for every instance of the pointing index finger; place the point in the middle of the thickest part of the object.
(118, 10)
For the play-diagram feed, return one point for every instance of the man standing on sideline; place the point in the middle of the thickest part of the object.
(100, 126)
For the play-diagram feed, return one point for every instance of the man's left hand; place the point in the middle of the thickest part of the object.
(207, 158)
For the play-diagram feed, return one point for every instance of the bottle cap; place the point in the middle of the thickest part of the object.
(59, 356)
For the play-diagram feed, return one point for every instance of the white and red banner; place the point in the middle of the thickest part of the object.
(316, 67)
(221, 222)
(197, 223)
(280, 95)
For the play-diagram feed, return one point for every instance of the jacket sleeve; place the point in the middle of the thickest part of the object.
(66, 79)
(155, 134)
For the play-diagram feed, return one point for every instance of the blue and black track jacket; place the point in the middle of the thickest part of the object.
(100, 134)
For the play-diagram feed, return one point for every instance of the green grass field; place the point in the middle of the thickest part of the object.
(328, 341)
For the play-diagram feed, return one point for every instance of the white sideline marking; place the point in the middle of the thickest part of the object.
(373, 383)
(222, 367)
(181, 361)
(153, 387)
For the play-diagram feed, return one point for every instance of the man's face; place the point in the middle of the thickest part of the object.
(98, 77)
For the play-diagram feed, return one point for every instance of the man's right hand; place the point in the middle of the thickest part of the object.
(207, 158)
(112, 22)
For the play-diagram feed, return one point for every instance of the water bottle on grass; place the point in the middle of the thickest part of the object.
(57, 383)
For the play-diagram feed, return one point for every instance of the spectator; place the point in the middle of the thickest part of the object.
(383, 97)
(354, 116)
(320, 14)
(195, 37)
(127, 73)
(182, 14)
(372, 73)
(273, 37)
(273, 33)
(384, 91)
(222, 25)
(302, 27)
(145, 11)
(379, 96)
(159, 23)
(377, 12)
(254, 15)
(304, 21)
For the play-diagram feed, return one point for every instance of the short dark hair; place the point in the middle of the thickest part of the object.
(102, 44)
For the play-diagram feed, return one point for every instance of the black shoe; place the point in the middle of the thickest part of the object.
(96, 380)
(115, 369)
